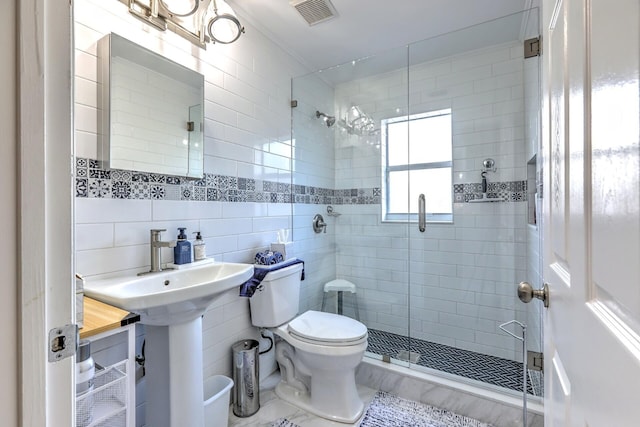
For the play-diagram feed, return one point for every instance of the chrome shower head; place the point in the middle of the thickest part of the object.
(489, 165)
(331, 120)
(328, 120)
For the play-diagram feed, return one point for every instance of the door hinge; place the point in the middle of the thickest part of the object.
(532, 47)
(294, 103)
(535, 361)
(63, 342)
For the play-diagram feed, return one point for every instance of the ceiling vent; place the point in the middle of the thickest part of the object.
(315, 11)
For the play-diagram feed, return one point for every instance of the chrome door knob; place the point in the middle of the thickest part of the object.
(526, 293)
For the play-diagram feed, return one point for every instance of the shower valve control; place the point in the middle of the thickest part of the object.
(318, 224)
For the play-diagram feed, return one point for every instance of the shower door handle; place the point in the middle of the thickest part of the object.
(422, 214)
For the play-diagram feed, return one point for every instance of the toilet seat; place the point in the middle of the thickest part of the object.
(327, 329)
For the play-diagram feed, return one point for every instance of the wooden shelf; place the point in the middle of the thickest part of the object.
(100, 317)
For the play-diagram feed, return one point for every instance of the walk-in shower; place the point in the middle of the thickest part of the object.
(442, 112)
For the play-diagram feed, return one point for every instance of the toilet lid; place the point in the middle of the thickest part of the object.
(327, 327)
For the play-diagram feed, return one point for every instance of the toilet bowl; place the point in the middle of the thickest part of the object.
(317, 352)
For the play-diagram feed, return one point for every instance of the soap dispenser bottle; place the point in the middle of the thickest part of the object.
(199, 248)
(182, 251)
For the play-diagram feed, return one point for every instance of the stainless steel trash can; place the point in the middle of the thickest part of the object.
(246, 377)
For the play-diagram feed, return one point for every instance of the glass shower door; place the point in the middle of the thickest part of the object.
(467, 263)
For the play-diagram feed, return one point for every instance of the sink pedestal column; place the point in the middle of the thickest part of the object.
(174, 377)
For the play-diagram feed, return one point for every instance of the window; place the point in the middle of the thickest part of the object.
(417, 159)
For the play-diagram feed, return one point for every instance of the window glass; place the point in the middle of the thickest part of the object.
(430, 139)
(398, 150)
(418, 161)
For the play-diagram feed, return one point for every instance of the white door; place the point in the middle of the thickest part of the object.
(591, 222)
(45, 201)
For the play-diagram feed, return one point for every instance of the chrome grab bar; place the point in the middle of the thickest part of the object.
(422, 215)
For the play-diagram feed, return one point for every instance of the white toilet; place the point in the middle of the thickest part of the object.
(318, 353)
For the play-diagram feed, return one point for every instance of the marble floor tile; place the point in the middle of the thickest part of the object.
(399, 382)
(273, 408)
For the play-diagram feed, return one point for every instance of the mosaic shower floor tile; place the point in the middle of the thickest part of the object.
(469, 364)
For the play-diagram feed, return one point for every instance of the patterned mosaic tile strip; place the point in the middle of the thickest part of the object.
(481, 367)
(94, 182)
(508, 191)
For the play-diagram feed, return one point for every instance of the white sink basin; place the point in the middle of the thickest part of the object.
(171, 296)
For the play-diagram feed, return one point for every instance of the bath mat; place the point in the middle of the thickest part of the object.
(283, 422)
(387, 410)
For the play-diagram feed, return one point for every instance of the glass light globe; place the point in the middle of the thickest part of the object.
(224, 27)
(181, 8)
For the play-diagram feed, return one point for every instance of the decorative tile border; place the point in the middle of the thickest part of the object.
(94, 182)
(509, 191)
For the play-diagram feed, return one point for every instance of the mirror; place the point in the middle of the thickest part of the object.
(152, 111)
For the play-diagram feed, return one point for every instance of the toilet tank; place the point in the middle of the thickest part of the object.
(277, 300)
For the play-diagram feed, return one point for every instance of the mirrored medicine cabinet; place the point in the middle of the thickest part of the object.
(151, 116)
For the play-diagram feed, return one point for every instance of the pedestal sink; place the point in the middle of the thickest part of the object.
(171, 304)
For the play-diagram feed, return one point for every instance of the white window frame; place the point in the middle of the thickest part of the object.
(386, 169)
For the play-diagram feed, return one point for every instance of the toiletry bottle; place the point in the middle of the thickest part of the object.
(199, 249)
(182, 251)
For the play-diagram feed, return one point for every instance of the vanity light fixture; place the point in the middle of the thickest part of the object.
(199, 21)
(224, 27)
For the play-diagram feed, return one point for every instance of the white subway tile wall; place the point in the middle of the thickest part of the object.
(247, 126)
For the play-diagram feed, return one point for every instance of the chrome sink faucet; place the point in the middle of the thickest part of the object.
(156, 245)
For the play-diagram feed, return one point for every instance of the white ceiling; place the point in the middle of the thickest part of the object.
(366, 27)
